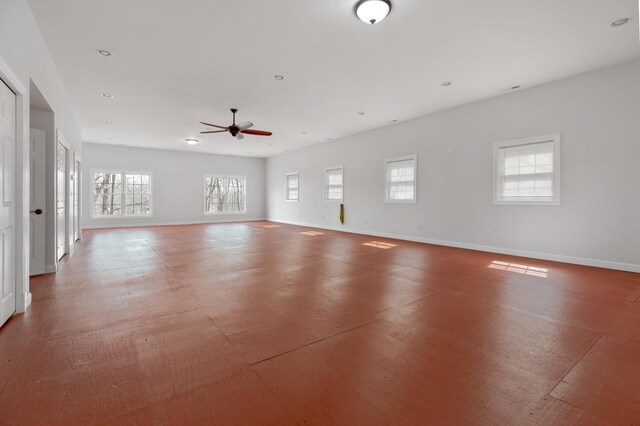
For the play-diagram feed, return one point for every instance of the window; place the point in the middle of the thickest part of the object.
(527, 171)
(401, 179)
(225, 195)
(293, 186)
(334, 183)
(117, 194)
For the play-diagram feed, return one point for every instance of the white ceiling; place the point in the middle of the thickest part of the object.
(176, 63)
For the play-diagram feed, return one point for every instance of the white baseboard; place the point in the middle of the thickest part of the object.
(149, 224)
(629, 267)
(48, 269)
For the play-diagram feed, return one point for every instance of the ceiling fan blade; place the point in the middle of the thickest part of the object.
(256, 132)
(245, 125)
(240, 136)
(213, 125)
(213, 131)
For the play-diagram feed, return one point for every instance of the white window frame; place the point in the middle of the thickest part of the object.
(122, 173)
(326, 184)
(204, 195)
(388, 161)
(286, 186)
(528, 201)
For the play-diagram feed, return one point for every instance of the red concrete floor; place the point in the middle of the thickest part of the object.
(259, 323)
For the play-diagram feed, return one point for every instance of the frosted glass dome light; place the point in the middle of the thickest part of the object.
(372, 11)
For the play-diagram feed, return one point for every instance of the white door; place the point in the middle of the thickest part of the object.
(71, 210)
(7, 204)
(61, 218)
(76, 202)
(38, 201)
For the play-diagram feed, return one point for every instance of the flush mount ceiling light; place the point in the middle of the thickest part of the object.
(109, 122)
(372, 11)
(106, 95)
(620, 22)
(361, 113)
(279, 77)
(446, 83)
(192, 141)
(103, 52)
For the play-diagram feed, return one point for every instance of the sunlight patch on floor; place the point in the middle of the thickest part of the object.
(379, 244)
(519, 268)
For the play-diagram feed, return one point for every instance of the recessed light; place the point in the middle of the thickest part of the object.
(279, 77)
(192, 141)
(109, 122)
(620, 22)
(394, 121)
(103, 52)
(372, 11)
(446, 83)
(106, 95)
(515, 87)
(304, 133)
(361, 113)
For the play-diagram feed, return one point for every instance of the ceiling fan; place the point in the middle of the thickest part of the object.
(237, 130)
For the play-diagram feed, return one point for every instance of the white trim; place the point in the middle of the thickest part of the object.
(557, 172)
(21, 241)
(204, 195)
(390, 160)
(286, 187)
(326, 184)
(49, 269)
(629, 267)
(151, 214)
(62, 140)
(152, 224)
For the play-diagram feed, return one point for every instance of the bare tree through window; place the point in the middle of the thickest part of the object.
(121, 194)
(225, 194)
(107, 194)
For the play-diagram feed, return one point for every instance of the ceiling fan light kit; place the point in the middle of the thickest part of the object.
(372, 11)
(237, 130)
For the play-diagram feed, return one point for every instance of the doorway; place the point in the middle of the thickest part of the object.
(76, 200)
(61, 200)
(7, 202)
(37, 201)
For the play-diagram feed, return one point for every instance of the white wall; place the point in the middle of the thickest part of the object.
(178, 179)
(24, 56)
(598, 222)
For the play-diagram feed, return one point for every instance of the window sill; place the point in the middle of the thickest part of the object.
(139, 216)
(525, 202)
(225, 213)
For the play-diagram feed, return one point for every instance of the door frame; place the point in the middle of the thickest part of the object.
(77, 216)
(21, 242)
(60, 139)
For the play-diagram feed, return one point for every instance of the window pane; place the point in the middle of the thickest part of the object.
(292, 187)
(401, 180)
(334, 184)
(527, 170)
(107, 188)
(225, 195)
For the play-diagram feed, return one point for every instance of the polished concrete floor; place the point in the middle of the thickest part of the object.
(260, 323)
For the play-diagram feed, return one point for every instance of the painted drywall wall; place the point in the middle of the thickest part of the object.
(598, 221)
(25, 57)
(178, 179)
(24, 50)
